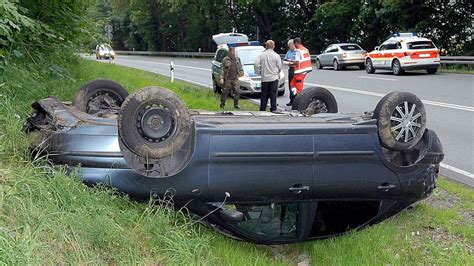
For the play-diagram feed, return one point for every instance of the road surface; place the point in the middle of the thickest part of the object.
(448, 98)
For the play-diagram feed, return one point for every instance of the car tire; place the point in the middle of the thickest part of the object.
(397, 68)
(318, 64)
(369, 67)
(154, 123)
(314, 100)
(98, 95)
(217, 89)
(335, 65)
(432, 71)
(401, 120)
(362, 67)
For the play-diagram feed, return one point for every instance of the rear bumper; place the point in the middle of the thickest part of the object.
(352, 62)
(420, 66)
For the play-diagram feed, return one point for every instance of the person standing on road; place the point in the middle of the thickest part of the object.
(290, 58)
(268, 65)
(231, 70)
(302, 67)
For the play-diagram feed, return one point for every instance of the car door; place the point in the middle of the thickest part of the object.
(260, 167)
(387, 54)
(377, 57)
(329, 55)
(347, 167)
(323, 57)
(217, 62)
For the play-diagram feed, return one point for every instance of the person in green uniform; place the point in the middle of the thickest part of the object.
(231, 70)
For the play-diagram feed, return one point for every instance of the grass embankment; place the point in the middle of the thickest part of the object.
(48, 217)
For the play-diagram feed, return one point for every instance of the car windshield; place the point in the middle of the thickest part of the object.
(420, 45)
(107, 48)
(350, 47)
(248, 56)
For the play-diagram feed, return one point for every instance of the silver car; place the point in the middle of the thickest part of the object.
(341, 55)
(250, 83)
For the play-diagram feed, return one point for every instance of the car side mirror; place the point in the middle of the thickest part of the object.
(322, 52)
(231, 216)
(376, 48)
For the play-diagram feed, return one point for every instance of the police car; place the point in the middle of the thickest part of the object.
(247, 51)
(404, 51)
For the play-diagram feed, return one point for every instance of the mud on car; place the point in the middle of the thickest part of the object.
(255, 176)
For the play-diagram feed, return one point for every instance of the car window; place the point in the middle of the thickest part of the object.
(350, 47)
(220, 55)
(328, 49)
(383, 47)
(391, 46)
(248, 56)
(420, 45)
(267, 220)
(335, 217)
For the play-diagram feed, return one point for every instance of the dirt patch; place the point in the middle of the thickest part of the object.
(442, 199)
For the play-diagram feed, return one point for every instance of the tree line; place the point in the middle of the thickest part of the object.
(187, 25)
(39, 30)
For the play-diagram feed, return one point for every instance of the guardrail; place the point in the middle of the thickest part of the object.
(449, 60)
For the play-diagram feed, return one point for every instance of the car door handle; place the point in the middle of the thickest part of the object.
(297, 189)
(386, 187)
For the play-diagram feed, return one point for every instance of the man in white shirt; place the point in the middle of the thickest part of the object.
(268, 65)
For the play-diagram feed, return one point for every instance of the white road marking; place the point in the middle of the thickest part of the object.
(364, 77)
(376, 94)
(457, 170)
(166, 64)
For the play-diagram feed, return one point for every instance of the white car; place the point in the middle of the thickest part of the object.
(404, 51)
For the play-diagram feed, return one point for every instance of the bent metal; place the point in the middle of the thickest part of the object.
(261, 177)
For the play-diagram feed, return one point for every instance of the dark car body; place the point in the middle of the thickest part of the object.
(261, 177)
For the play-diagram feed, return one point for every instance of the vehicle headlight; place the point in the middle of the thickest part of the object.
(112, 52)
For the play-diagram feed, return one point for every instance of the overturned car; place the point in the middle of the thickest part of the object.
(261, 177)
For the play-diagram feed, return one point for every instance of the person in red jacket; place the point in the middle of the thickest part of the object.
(302, 67)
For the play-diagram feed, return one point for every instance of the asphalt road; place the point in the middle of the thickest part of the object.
(448, 98)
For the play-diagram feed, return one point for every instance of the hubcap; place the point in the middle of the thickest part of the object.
(155, 123)
(405, 122)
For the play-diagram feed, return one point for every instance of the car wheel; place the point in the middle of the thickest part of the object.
(432, 71)
(318, 64)
(336, 65)
(154, 123)
(99, 95)
(314, 100)
(401, 120)
(217, 89)
(362, 67)
(397, 68)
(369, 67)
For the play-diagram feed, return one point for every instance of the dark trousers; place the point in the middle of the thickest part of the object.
(269, 90)
(291, 72)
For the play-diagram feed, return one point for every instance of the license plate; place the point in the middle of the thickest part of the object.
(424, 55)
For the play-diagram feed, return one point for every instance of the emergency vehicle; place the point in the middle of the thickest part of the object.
(404, 51)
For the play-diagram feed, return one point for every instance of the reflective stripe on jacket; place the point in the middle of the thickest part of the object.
(304, 65)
